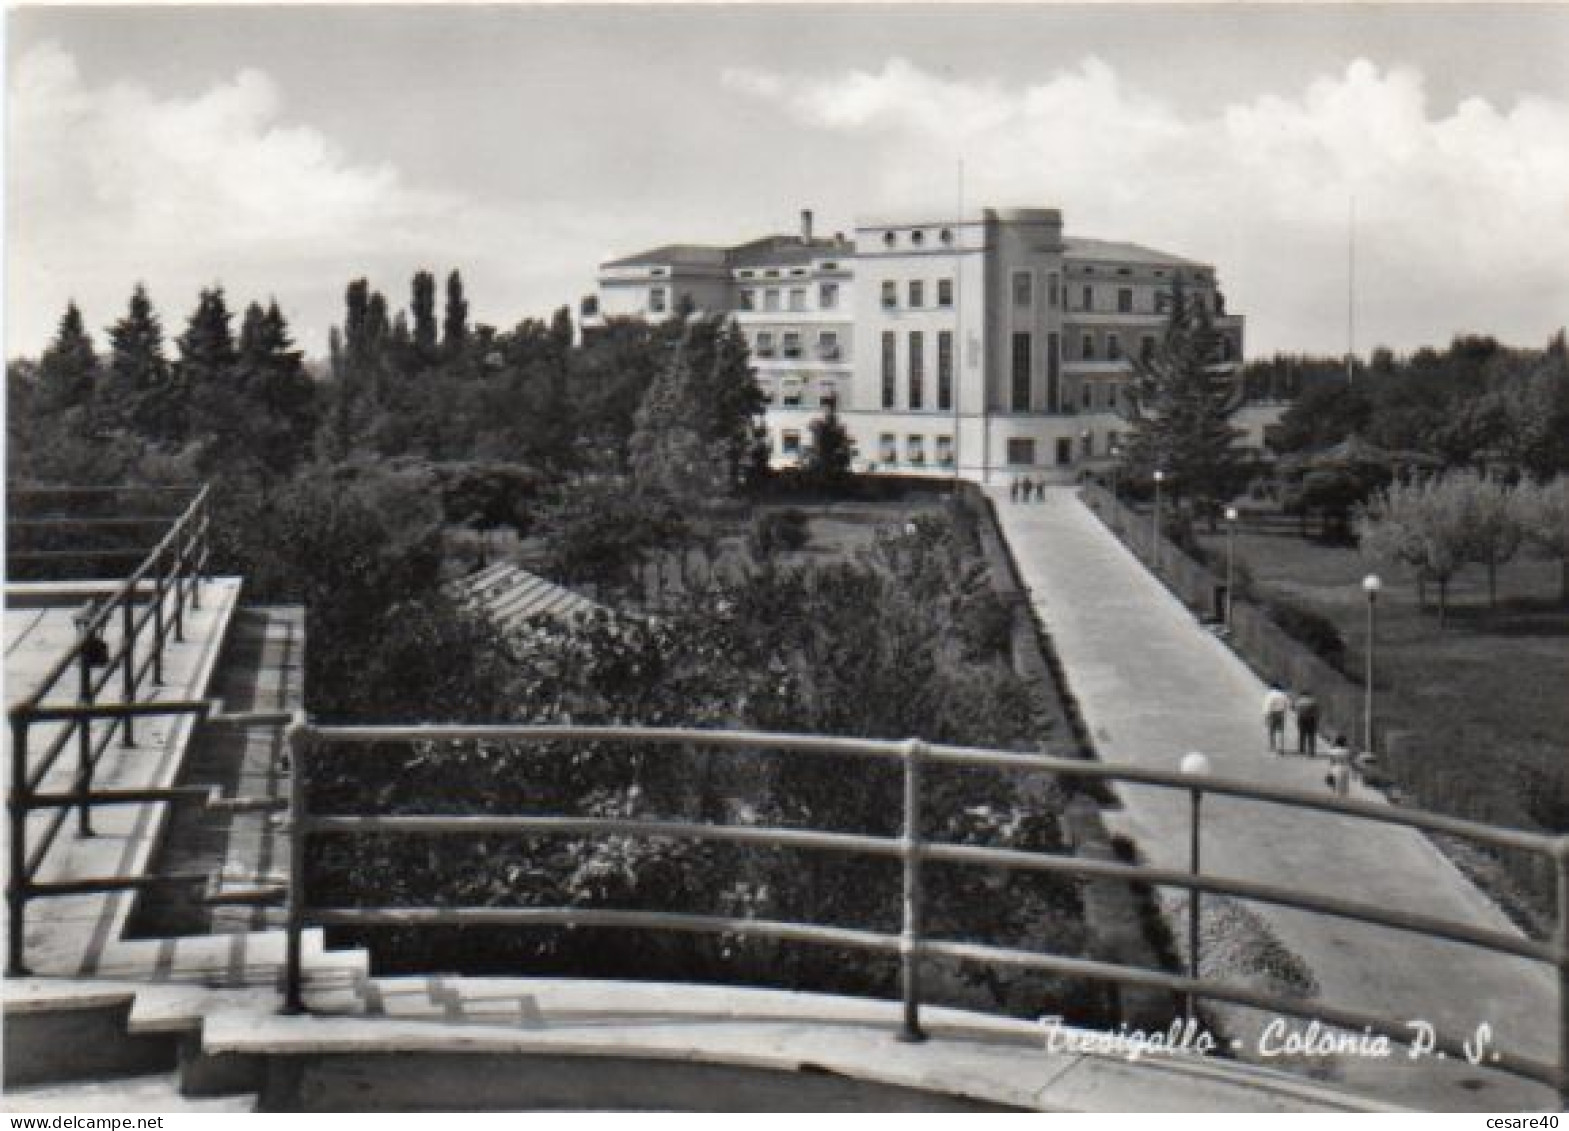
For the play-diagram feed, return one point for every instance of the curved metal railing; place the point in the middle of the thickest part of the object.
(310, 744)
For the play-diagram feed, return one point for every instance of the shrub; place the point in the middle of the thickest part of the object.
(775, 530)
(1312, 629)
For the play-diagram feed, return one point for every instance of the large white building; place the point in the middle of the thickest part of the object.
(982, 346)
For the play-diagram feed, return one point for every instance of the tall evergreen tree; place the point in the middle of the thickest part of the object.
(68, 369)
(422, 307)
(1179, 404)
(279, 397)
(205, 374)
(455, 326)
(139, 379)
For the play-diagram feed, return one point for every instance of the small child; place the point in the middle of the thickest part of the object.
(1339, 777)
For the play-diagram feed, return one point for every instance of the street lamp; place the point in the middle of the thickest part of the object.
(1370, 585)
(1231, 558)
(1194, 765)
(1160, 477)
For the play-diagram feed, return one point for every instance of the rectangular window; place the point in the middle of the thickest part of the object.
(791, 388)
(1053, 370)
(1064, 450)
(797, 298)
(771, 299)
(765, 344)
(888, 448)
(1021, 451)
(828, 345)
(791, 445)
(1147, 347)
(915, 448)
(1113, 347)
(748, 299)
(1125, 300)
(890, 368)
(945, 450)
(1053, 290)
(791, 343)
(917, 293)
(1023, 289)
(656, 300)
(1162, 302)
(1089, 297)
(1086, 394)
(917, 371)
(945, 369)
(1087, 347)
(828, 394)
(944, 292)
(1021, 371)
(828, 296)
(890, 294)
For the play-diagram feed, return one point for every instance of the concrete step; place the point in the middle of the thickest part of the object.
(159, 1092)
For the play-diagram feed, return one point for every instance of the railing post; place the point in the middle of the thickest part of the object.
(1561, 863)
(297, 739)
(910, 937)
(158, 630)
(17, 881)
(179, 591)
(128, 669)
(84, 726)
(198, 546)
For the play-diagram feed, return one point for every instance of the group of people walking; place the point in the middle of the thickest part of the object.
(1343, 764)
(1024, 489)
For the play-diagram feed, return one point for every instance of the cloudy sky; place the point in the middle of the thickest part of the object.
(284, 151)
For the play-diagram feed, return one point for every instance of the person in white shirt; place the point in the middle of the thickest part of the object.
(1276, 704)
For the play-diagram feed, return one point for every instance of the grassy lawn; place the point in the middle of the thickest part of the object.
(1483, 704)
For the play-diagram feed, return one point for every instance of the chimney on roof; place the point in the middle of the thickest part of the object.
(806, 225)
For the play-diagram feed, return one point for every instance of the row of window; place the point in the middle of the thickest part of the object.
(788, 344)
(793, 298)
(774, 272)
(918, 237)
(793, 393)
(1024, 297)
(1022, 451)
(914, 449)
(915, 292)
(915, 370)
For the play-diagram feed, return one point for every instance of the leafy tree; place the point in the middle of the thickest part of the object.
(670, 453)
(1545, 511)
(1422, 526)
(1180, 402)
(68, 368)
(1326, 413)
(1493, 523)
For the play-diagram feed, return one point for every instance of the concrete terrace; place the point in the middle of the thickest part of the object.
(1152, 684)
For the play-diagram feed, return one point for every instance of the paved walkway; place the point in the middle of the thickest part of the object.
(1153, 684)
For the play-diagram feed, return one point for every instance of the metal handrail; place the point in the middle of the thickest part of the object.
(306, 742)
(175, 567)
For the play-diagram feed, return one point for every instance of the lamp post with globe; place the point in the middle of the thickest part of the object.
(1371, 584)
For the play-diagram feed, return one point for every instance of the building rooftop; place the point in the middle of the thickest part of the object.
(1080, 247)
(770, 251)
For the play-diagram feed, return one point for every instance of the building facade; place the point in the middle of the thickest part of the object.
(982, 346)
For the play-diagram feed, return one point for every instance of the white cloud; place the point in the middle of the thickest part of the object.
(1463, 219)
(111, 184)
